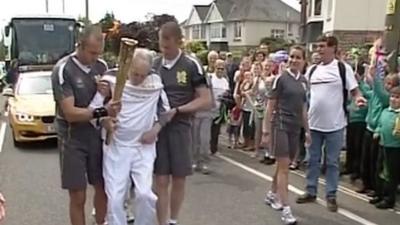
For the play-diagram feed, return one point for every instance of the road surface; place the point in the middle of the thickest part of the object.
(232, 195)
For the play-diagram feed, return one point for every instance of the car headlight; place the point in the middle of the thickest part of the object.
(23, 117)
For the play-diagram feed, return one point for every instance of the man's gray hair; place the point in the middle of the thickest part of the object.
(143, 54)
(211, 53)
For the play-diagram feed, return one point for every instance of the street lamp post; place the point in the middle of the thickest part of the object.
(87, 9)
(392, 33)
(63, 6)
(47, 6)
(303, 20)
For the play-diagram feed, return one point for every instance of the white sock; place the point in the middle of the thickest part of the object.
(173, 221)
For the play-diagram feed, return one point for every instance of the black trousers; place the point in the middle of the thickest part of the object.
(248, 128)
(215, 131)
(392, 161)
(354, 141)
(380, 187)
(369, 160)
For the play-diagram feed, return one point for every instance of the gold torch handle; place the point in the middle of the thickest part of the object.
(125, 57)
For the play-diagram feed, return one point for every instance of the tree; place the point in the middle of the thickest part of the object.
(83, 20)
(195, 46)
(146, 33)
(107, 22)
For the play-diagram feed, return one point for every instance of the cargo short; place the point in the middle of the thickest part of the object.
(174, 145)
(81, 157)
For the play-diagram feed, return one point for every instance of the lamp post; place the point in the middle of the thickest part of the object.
(392, 33)
(47, 6)
(87, 9)
(303, 20)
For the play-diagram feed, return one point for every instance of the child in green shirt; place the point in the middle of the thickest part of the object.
(391, 147)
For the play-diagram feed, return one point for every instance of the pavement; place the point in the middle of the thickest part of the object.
(231, 195)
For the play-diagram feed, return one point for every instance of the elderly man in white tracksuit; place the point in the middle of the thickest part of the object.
(131, 152)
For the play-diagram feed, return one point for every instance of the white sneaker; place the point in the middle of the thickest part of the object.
(287, 216)
(205, 170)
(272, 200)
(269, 198)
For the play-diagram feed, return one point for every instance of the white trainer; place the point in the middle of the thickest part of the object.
(287, 216)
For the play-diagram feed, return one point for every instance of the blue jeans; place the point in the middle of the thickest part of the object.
(333, 142)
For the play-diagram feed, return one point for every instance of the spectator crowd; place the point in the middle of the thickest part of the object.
(351, 105)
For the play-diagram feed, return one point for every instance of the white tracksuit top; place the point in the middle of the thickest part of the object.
(140, 105)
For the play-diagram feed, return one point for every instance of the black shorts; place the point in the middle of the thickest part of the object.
(174, 150)
(81, 161)
(285, 142)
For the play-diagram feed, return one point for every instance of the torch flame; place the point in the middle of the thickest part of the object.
(116, 28)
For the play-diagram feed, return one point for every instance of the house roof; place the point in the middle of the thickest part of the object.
(225, 6)
(183, 23)
(202, 10)
(261, 10)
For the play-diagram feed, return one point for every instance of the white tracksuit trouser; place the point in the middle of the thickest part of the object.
(122, 165)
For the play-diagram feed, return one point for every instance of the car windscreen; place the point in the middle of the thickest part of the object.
(35, 85)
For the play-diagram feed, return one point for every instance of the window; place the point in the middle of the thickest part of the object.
(238, 30)
(277, 33)
(187, 33)
(217, 30)
(317, 7)
(290, 29)
(43, 41)
(203, 32)
(196, 32)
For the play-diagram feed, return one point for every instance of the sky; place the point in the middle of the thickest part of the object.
(124, 10)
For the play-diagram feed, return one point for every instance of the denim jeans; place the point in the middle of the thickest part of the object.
(333, 142)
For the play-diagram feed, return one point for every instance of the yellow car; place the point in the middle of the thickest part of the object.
(31, 108)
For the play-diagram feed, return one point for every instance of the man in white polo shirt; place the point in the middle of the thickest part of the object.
(330, 81)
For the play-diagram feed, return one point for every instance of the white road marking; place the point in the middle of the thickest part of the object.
(322, 181)
(341, 188)
(2, 134)
(296, 190)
